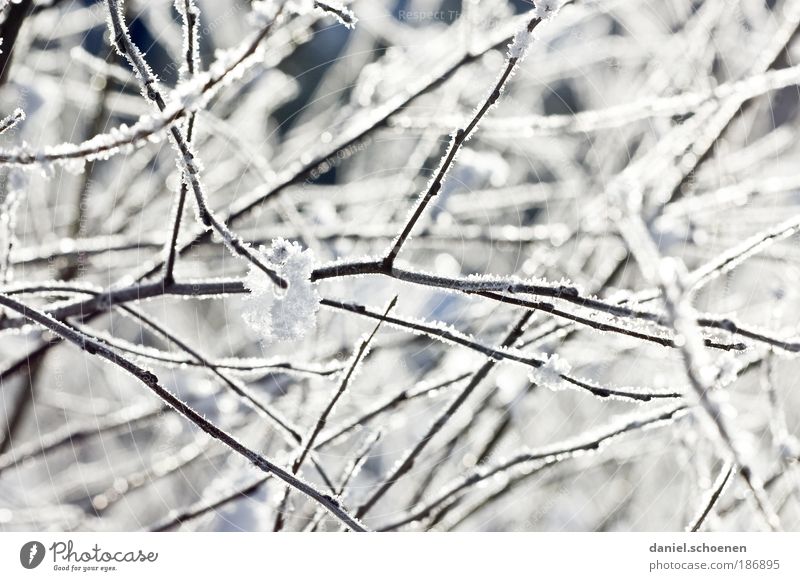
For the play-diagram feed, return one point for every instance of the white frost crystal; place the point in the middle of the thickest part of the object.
(545, 9)
(728, 368)
(549, 374)
(522, 42)
(282, 314)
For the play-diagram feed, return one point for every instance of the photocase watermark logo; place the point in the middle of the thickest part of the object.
(65, 556)
(31, 554)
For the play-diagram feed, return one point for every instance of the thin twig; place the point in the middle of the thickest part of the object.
(310, 440)
(716, 492)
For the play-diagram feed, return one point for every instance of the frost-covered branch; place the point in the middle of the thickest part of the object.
(516, 53)
(151, 381)
(668, 275)
(538, 459)
(185, 155)
(310, 440)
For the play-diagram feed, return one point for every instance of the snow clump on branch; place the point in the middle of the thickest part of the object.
(282, 315)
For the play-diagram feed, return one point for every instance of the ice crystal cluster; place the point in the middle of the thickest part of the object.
(282, 314)
(546, 9)
(550, 373)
